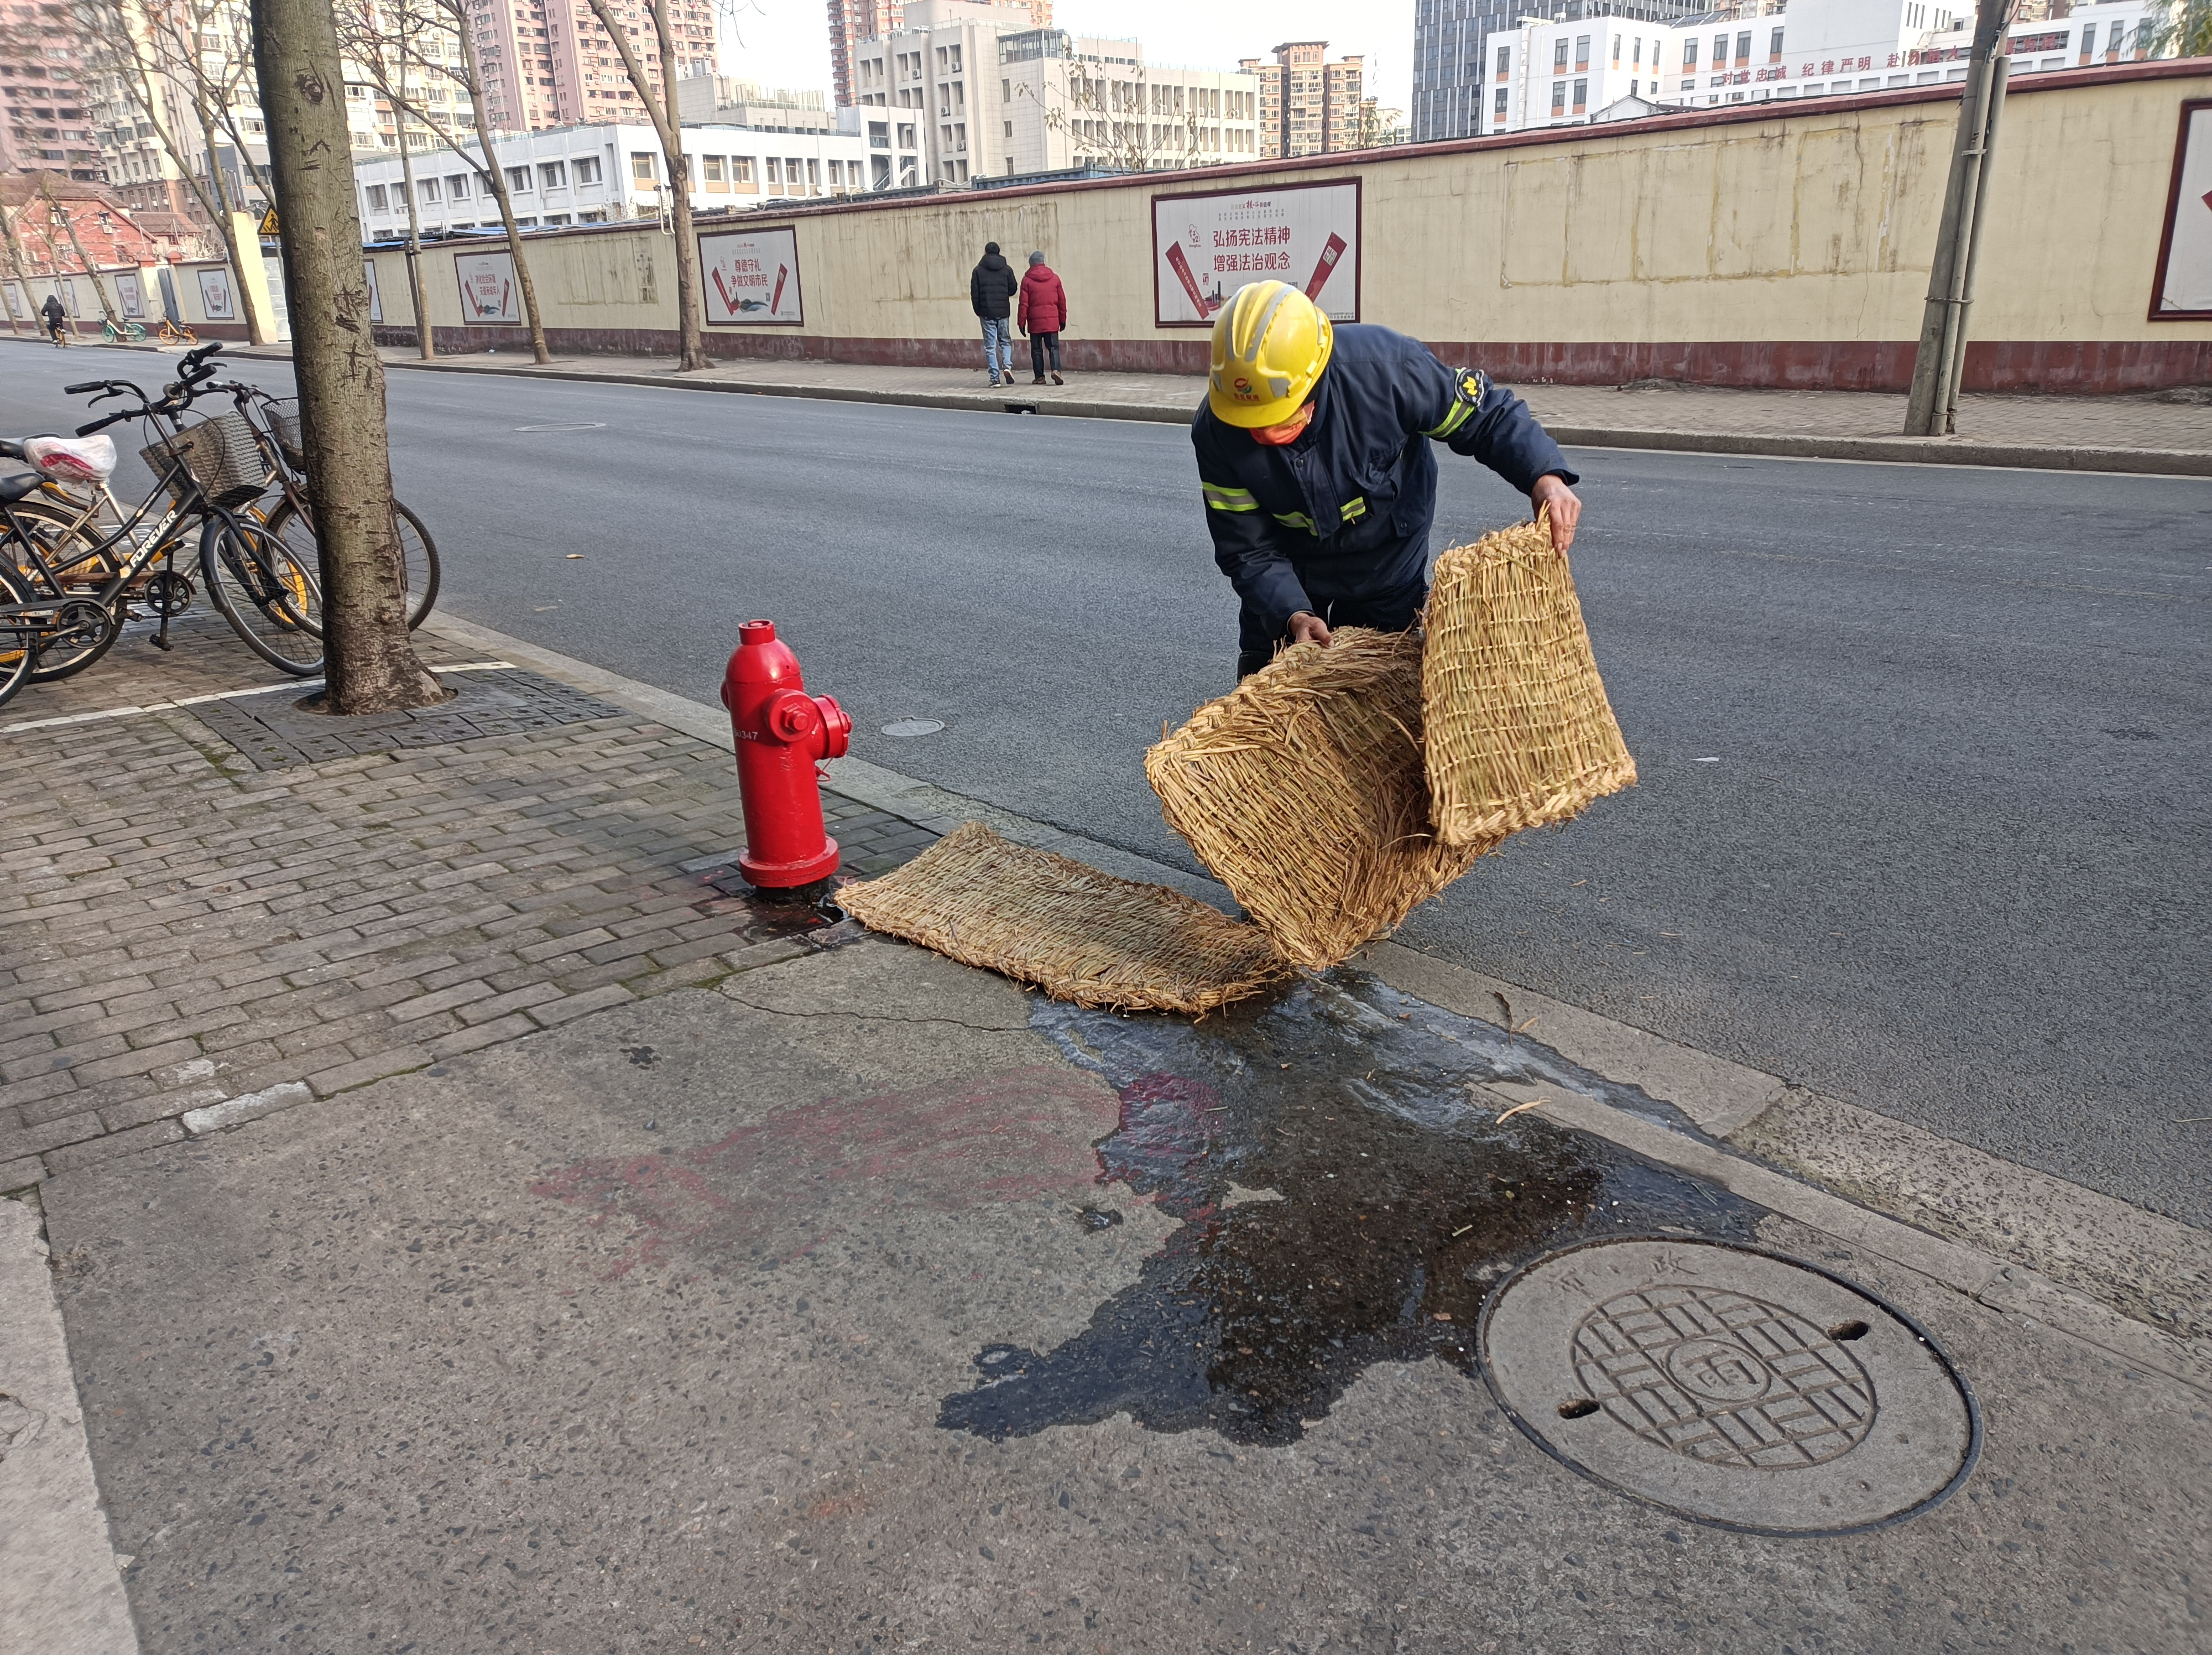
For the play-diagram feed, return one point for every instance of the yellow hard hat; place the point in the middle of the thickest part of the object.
(1270, 345)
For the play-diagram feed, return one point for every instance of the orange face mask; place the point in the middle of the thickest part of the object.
(1277, 437)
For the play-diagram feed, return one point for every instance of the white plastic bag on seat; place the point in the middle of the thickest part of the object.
(73, 460)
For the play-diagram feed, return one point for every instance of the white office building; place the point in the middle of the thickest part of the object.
(598, 174)
(1562, 72)
(980, 94)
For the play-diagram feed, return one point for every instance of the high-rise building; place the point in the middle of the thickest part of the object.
(1449, 78)
(962, 91)
(549, 63)
(1307, 105)
(44, 121)
(852, 21)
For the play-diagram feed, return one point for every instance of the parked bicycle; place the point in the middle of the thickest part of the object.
(171, 332)
(111, 330)
(67, 579)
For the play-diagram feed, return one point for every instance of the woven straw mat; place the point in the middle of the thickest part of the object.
(1515, 723)
(1303, 790)
(1073, 932)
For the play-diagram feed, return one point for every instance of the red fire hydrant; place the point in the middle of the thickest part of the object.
(781, 733)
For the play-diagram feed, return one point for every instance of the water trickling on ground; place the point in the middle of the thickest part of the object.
(1346, 1196)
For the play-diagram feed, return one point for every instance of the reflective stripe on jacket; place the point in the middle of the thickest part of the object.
(1344, 512)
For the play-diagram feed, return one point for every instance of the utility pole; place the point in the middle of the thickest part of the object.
(370, 667)
(1938, 363)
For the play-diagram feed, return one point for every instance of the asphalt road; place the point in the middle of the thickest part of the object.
(1924, 816)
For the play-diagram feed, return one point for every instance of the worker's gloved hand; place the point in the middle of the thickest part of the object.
(1306, 627)
(1551, 490)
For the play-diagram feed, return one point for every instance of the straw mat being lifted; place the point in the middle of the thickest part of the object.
(1302, 790)
(1515, 721)
(1073, 932)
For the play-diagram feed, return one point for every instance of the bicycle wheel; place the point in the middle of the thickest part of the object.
(19, 636)
(87, 628)
(271, 599)
(418, 553)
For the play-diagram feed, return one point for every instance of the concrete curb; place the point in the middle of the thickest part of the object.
(1868, 450)
(1899, 450)
(60, 1580)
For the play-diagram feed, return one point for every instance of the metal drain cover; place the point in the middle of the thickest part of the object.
(1729, 1385)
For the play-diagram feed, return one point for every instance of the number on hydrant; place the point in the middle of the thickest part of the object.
(781, 733)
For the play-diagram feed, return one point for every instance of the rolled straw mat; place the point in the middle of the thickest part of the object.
(1515, 721)
(1074, 932)
(1303, 790)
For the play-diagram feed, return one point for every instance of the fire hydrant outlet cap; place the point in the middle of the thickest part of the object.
(756, 632)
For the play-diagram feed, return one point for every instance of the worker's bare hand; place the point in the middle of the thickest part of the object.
(1551, 491)
(1307, 627)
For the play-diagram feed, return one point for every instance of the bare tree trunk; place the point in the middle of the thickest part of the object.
(495, 175)
(370, 664)
(22, 276)
(257, 330)
(418, 295)
(691, 344)
(69, 225)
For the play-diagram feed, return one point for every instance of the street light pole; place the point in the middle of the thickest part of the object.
(1937, 362)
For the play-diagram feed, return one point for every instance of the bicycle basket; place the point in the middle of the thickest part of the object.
(221, 456)
(284, 423)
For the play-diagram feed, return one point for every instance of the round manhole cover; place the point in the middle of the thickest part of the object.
(1728, 1385)
(914, 727)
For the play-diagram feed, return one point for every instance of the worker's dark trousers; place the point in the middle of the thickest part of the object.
(1386, 611)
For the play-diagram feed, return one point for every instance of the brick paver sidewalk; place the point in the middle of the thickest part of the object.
(181, 928)
(2168, 423)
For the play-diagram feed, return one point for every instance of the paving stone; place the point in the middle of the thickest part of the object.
(324, 922)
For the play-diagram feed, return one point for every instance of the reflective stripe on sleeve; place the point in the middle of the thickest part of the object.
(1220, 499)
(1297, 519)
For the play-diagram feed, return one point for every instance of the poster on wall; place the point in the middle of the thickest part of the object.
(130, 296)
(218, 303)
(68, 296)
(2183, 292)
(1206, 246)
(18, 306)
(751, 279)
(489, 298)
(375, 298)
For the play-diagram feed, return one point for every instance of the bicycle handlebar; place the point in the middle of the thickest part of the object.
(79, 390)
(102, 424)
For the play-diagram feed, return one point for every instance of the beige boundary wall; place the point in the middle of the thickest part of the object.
(1766, 246)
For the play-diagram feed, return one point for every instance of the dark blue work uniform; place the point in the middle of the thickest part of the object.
(1337, 523)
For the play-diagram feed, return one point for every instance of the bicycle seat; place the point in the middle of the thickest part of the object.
(13, 488)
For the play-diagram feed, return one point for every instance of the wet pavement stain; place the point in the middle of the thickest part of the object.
(1344, 1200)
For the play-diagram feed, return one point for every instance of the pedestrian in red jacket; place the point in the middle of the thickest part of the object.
(1043, 313)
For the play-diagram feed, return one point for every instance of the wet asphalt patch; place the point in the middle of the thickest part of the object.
(1391, 1199)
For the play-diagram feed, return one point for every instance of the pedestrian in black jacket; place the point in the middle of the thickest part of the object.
(991, 291)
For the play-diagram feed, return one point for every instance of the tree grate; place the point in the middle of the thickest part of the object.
(277, 732)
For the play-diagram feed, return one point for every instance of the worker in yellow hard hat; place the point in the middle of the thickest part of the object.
(1319, 488)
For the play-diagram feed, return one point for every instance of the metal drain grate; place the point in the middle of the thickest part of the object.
(1729, 1385)
(275, 733)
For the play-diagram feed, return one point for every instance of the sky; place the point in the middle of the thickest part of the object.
(787, 42)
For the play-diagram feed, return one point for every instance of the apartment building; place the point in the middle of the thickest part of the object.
(549, 64)
(852, 21)
(987, 100)
(1552, 72)
(605, 173)
(45, 115)
(1453, 89)
(1307, 105)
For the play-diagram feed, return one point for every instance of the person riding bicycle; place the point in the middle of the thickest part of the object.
(55, 315)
